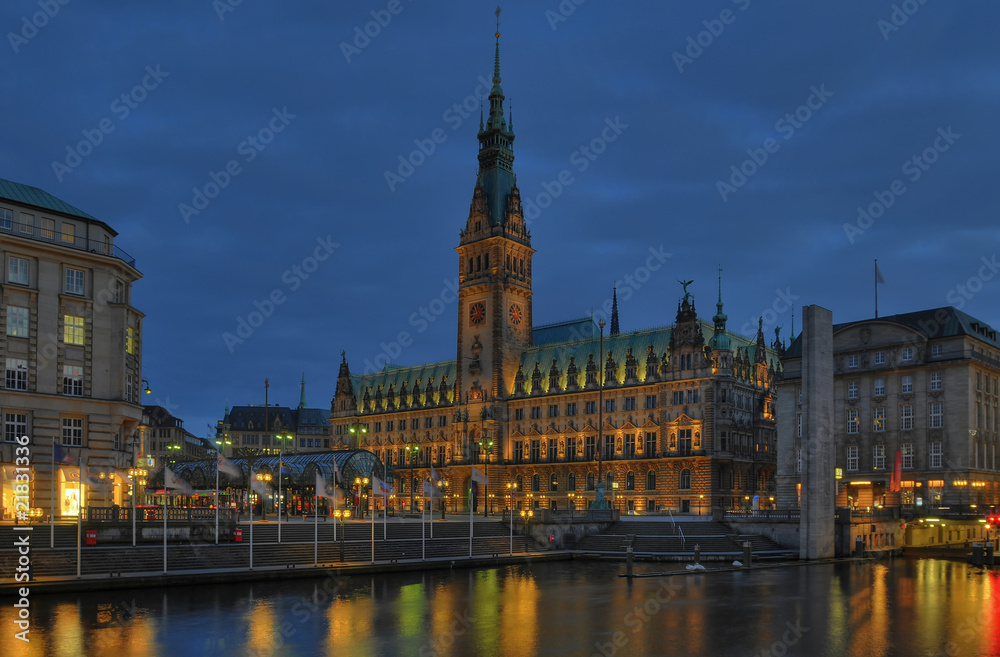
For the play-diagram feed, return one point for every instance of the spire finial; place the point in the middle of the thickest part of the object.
(480, 115)
(302, 396)
(614, 311)
(720, 317)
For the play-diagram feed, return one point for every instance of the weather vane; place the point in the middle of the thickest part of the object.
(498, 22)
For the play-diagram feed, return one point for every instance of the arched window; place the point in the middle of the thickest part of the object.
(535, 482)
(572, 481)
(479, 262)
(553, 482)
(651, 480)
(590, 481)
(685, 479)
(630, 481)
(520, 483)
(611, 481)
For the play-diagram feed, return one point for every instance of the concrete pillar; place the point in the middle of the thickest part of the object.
(816, 525)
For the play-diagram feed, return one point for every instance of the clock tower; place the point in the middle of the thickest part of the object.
(494, 259)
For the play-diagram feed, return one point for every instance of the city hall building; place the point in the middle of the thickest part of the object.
(678, 418)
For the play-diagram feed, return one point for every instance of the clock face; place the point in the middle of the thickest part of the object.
(477, 313)
(515, 314)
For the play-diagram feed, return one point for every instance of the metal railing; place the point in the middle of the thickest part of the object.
(51, 236)
(764, 514)
(155, 514)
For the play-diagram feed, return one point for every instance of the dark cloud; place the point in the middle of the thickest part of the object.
(781, 232)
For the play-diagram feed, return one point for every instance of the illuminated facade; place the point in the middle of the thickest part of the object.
(71, 346)
(919, 387)
(687, 410)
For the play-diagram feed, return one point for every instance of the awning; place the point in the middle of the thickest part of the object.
(10, 473)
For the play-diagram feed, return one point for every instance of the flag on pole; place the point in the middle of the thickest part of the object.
(895, 482)
(325, 490)
(478, 477)
(878, 275)
(284, 468)
(63, 456)
(225, 466)
(430, 490)
(336, 472)
(170, 480)
(434, 474)
(381, 487)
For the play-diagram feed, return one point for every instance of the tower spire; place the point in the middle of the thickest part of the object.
(302, 396)
(614, 311)
(720, 341)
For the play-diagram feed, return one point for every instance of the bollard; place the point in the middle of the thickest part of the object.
(859, 547)
(747, 554)
(697, 553)
(977, 555)
(989, 554)
(628, 562)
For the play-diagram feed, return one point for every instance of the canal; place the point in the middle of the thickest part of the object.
(905, 607)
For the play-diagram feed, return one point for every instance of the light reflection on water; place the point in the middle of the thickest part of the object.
(883, 609)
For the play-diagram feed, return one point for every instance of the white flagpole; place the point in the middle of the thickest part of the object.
(372, 520)
(316, 529)
(79, 513)
(164, 518)
(52, 502)
(423, 533)
(216, 498)
(250, 497)
(281, 456)
(471, 483)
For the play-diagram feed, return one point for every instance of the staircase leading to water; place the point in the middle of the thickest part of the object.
(678, 539)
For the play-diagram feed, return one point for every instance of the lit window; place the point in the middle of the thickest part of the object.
(878, 418)
(878, 457)
(74, 281)
(73, 330)
(907, 456)
(27, 223)
(68, 233)
(130, 340)
(17, 270)
(17, 374)
(72, 380)
(48, 228)
(936, 381)
(17, 321)
(852, 420)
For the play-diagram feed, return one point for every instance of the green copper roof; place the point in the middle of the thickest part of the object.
(398, 376)
(39, 198)
(574, 329)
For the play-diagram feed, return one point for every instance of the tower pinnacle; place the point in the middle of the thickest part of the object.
(614, 311)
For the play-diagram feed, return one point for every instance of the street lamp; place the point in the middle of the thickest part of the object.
(356, 431)
(701, 502)
(266, 478)
(411, 453)
(342, 516)
(361, 483)
(488, 449)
